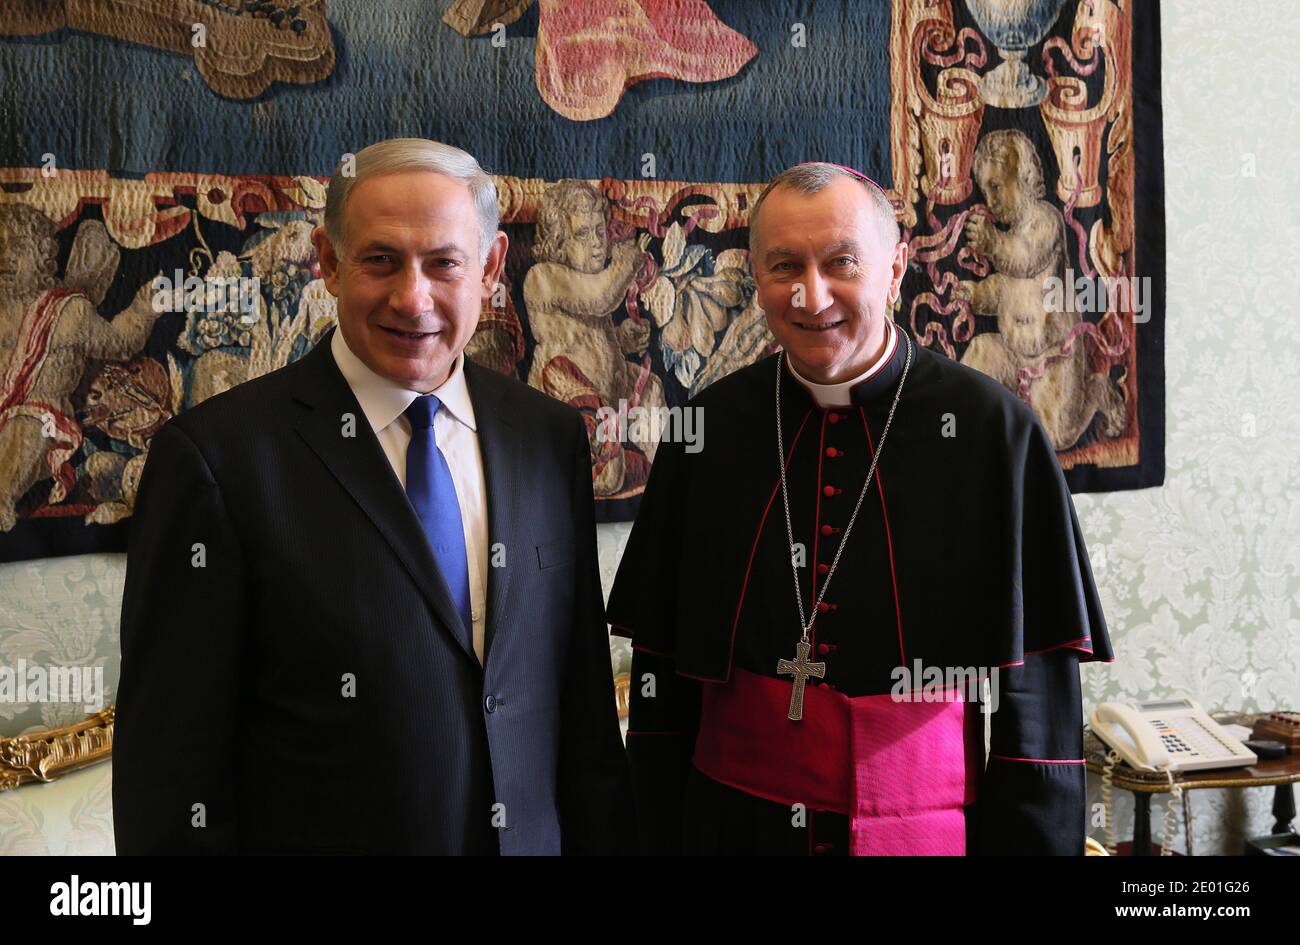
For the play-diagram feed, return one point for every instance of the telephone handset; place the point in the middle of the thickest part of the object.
(1174, 735)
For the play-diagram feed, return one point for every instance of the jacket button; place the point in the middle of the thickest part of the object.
(828, 490)
(490, 703)
(832, 452)
(823, 569)
(827, 530)
(834, 418)
(822, 608)
(823, 649)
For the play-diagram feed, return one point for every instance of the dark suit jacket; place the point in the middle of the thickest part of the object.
(293, 662)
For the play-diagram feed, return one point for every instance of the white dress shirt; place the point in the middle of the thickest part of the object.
(454, 427)
(837, 395)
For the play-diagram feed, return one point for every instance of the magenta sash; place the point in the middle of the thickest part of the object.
(901, 771)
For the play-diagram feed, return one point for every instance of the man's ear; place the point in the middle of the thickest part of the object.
(898, 270)
(328, 258)
(495, 264)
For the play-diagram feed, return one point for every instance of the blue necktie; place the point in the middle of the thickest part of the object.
(433, 496)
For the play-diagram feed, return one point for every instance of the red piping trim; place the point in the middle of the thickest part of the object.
(744, 587)
(637, 648)
(1049, 649)
(889, 540)
(627, 632)
(817, 531)
(1057, 646)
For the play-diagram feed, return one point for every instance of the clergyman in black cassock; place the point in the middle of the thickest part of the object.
(966, 554)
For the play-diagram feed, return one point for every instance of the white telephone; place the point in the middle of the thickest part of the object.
(1174, 735)
(1169, 735)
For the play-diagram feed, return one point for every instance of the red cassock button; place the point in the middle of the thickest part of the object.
(832, 452)
(828, 490)
(822, 849)
(823, 607)
(834, 418)
(827, 530)
(823, 649)
(823, 568)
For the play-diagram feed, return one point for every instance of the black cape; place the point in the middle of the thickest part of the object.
(966, 551)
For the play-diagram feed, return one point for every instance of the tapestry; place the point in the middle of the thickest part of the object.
(163, 164)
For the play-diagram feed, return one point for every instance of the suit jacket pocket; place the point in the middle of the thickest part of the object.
(552, 554)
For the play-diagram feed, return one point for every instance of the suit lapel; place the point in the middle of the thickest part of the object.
(499, 444)
(359, 464)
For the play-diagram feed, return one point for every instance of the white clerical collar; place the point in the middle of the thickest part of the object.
(837, 395)
(383, 401)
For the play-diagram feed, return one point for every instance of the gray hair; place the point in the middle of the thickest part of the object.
(814, 178)
(413, 154)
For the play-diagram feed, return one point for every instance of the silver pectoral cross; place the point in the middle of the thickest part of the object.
(801, 669)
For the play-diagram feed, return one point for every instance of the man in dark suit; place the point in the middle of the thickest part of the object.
(362, 609)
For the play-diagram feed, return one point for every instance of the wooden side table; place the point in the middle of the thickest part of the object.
(1281, 772)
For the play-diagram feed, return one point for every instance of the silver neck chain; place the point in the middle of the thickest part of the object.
(806, 622)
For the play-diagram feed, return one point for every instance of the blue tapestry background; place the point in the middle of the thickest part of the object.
(140, 164)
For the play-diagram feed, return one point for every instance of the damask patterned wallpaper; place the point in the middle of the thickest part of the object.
(1200, 578)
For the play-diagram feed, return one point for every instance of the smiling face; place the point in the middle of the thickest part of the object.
(409, 282)
(826, 278)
